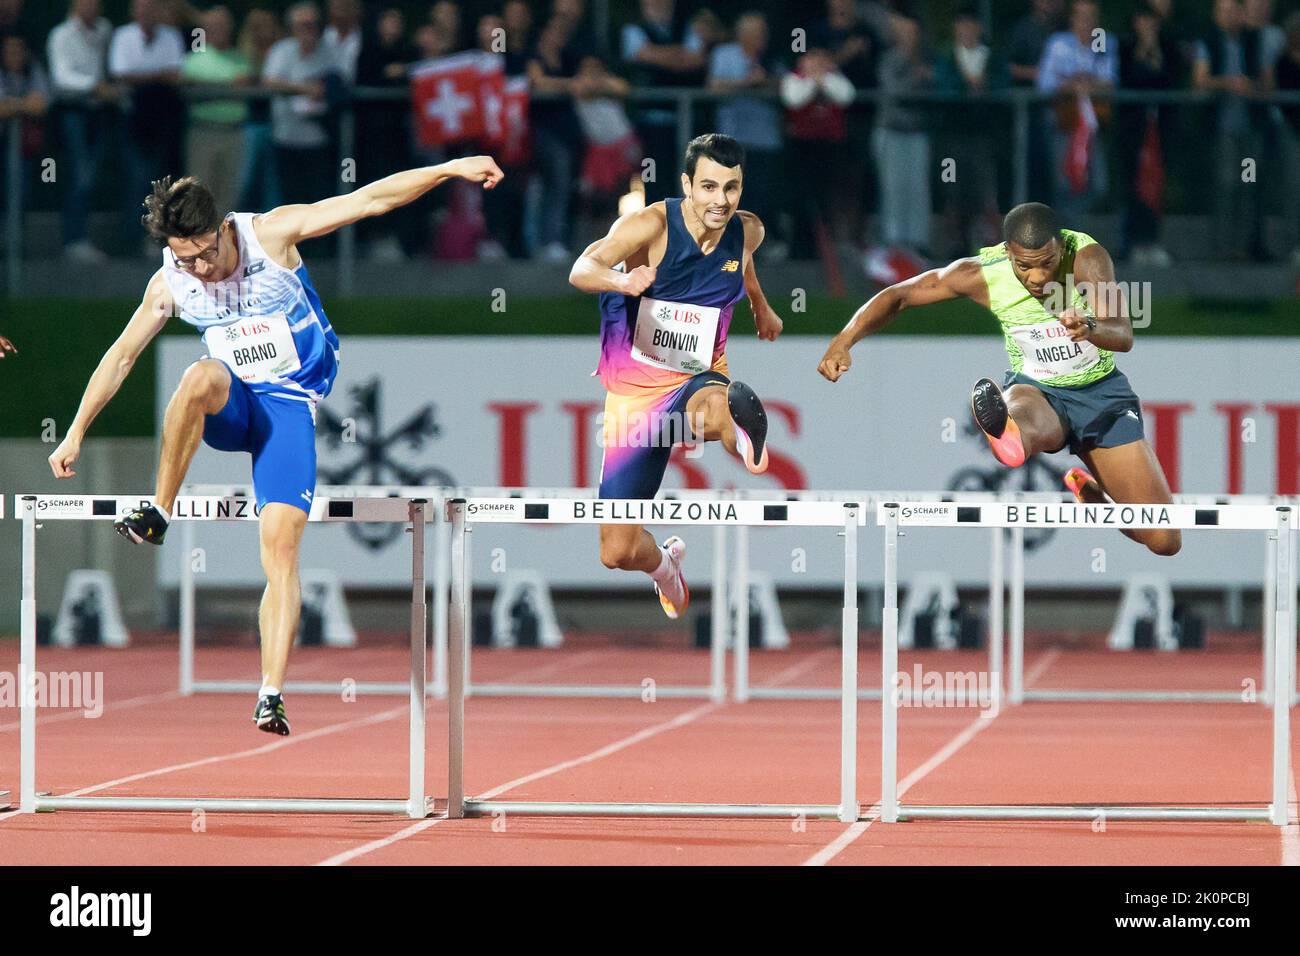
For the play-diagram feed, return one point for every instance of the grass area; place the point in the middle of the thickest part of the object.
(61, 340)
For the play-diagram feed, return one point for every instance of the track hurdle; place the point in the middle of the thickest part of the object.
(33, 510)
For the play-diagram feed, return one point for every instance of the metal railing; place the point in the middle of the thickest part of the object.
(683, 101)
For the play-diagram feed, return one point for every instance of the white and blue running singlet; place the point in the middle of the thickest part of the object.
(265, 322)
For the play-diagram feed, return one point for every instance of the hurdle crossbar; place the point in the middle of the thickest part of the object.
(714, 690)
(465, 513)
(1277, 521)
(33, 510)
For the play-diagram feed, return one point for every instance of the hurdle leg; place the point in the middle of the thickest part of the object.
(1017, 615)
(888, 672)
(27, 665)
(187, 608)
(1268, 607)
(718, 624)
(468, 585)
(441, 585)
(997, 596)
(419, 610)
(458, 632)
(1291, 635)
(740, 648)
(1284, 632)
(849, 671)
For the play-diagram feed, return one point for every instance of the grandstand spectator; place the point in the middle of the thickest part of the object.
(1075, 64)
(344, 35)
(25, 96)
(145, 56)
(659, 50)
(816, 96)
(383, 132)
(903, 143)
(1025, 45)
(854, 45)
(517, 19)
(754, 122)
(1149, 59)
(970, 135)
(613, 154)
(556, 136)
(78, 63)
(1287, 80)
(444, 16)
(705, 31)
(503, 205)
(11, 14)
(1258, 15)
(259, 179)
(1229, 62)
(215, 139)
(299, 67)
(582, 39)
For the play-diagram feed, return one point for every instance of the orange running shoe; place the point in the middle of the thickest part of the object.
(675, 597)
(1078, 480)
(990, 411)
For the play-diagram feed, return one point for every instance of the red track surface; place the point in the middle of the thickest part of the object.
(150, 741)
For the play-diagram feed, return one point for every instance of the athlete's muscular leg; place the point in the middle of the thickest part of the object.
(203, 390)
(281, 534)
(1040, 427)
(1131, 474)
(628, 547)
(709, 420)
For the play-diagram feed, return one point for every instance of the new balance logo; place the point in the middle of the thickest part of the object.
(731, 265)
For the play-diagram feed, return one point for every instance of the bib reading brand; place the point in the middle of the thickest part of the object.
(1049, 352)
(256, 349)
(675, 335)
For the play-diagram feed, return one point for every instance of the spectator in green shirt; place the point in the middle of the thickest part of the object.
(215, 143)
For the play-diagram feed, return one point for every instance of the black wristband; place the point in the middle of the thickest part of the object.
(1092, 324)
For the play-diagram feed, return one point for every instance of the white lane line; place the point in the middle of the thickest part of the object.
(419, 827)
(80, 714)
(965, 736)
(794, 670)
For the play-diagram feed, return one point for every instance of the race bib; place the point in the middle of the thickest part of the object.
(1048, 351)
(675, 335)
(256, 349)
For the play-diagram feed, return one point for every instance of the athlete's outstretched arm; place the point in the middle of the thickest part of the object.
(286, 226)
(1094, 275)
(6, 346)
(766, 321)
(149, 318)
(594, 270)
(960, 278)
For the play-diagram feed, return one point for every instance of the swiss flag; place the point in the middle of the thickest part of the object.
(506, 117)
(447, 97)
(1079, 155)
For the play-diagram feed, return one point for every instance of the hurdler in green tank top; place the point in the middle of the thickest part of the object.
(1037, 344)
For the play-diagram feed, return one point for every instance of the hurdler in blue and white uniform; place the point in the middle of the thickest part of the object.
(271, 356)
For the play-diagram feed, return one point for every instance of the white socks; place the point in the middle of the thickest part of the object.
(164, 512)
(664, 573)
(268, 691)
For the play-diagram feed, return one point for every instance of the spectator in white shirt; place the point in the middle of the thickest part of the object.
(300, 67)
(77, 53)
(344, 35)
(145, 55)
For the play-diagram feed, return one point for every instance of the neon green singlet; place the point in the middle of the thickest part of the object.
(1037, 344)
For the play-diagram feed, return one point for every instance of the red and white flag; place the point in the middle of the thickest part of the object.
(447, 97)
(506, 118)
(1079, 155)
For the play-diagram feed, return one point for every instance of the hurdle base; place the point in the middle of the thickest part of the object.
(229, 805)
(5, 804)
(1135, 696)
(484, 808)
(1098, 812)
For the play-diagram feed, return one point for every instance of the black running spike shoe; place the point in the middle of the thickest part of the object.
(1003, 434)
(269, 715)
(750, 419)
(141, 525)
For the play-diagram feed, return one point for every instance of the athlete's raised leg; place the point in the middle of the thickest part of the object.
(1131, 474)
(733, 415)
(1017, 423)
(203, 390)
